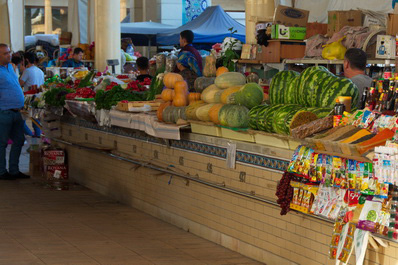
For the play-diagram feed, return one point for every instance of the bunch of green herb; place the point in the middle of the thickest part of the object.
(107, 99)
(56, 96)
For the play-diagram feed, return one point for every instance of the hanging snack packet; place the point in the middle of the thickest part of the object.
(357, 118)
(291, 167)
(328, 171)
(352, 174)
(369, 215)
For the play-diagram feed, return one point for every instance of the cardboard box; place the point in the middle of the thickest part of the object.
(53, 157)
(65, 38)
(288, 33)
(291, 17)
(316, 28)
(339, 19)
(277, 50)
(371, 21)
(392, 24)
(34, 163)
(385, 47)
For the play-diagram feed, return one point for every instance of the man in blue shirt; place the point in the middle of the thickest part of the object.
(11, 122)
(76, 60)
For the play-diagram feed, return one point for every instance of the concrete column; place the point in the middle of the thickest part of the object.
(123, 9)
(107, 32)
(48, 17)
(132, 10)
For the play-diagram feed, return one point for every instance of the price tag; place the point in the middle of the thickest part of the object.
(57, 174)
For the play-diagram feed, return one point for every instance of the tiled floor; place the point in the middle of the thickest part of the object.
(39, 225)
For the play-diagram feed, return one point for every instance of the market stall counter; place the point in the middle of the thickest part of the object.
(196, 184)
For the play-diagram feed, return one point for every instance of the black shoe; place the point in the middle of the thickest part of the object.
(20, 176)
(7, 176)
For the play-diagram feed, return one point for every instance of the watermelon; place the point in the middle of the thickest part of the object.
(279, 84)
(237, 116)
(291, 93)
(268, 119)
(320, 112)
(305, 82)
(339, 87)
(253, 115)
(249, 95)
(312, 85)
(279, 125)
(261, 117)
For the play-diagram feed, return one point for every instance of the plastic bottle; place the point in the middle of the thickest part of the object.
(339, 108)
(130, 50)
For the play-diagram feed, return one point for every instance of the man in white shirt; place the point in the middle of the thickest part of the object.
(32, 75)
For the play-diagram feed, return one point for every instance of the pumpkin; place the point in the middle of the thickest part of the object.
(221, 70)
(190, 111)
(159, 112)
(167, 94)
(250, 95)
(170, 79)
(202, 82)
(210, 66)
(234, 116)
(202, 113)
(227, 94)
(213, 113)
(230, 79)
(208, 95)
(192, 97)
(181, 94)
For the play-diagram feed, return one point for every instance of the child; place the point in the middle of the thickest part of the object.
(143, 69)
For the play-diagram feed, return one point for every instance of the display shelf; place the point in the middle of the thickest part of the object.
(357, 158)
(336, 62)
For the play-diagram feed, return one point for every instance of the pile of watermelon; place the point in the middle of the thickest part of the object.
(314, 87)
(282, 118)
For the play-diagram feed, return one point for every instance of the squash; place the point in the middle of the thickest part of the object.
(190, 111)
(192, 97)
(202, 82)
(202, 113)
(170, 79)
(181, 94)
(210, 66)
(234, 116)
(230, 79)
(213, 113)
(159, 112)
(250, 95)
(167, 114)
(225, 96)
(221, 70)
(173, 114)
(167, 94)
(208, 95)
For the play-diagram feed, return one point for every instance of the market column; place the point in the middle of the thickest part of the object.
(107, 33)
(48, 17)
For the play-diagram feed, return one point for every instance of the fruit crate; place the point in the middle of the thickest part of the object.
(237, 135)
(274, 140)
(206, 128)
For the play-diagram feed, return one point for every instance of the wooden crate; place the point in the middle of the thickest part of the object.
(206, 128)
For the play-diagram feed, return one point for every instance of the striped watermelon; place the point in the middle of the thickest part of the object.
(338, 87)
(279, 125)
(291, 93)
(279, 84)
(253, 115)
(305, 83)
(261, 116)
(269, 117)
(320, 112)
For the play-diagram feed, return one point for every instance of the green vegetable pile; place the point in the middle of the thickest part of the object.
(55, 97)
(107, 99)
(156, 87)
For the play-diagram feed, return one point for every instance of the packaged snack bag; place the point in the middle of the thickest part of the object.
(369, 215)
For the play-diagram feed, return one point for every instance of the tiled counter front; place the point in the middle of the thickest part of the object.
(245, 225)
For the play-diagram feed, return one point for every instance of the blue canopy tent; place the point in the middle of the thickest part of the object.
(209, 27)
(143, 33)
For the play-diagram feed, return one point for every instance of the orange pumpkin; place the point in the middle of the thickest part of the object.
(159, 112)
(192, 97)
(170, 79)
(181, 87)
(213, 113)
(167, 94)
(221, 70)
(180, 101)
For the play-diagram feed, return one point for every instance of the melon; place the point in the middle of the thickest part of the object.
(230, 79)
(209, 94)
(250, 95)
(202, 113)
(226, 97)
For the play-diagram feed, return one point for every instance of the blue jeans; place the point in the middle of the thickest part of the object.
(11, 127)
